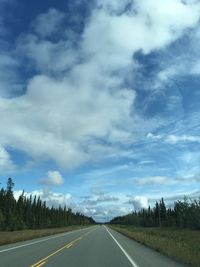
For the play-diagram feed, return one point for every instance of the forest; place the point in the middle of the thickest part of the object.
(183, 214)
(33, 213)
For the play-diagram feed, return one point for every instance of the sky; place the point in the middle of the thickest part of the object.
(99, 102)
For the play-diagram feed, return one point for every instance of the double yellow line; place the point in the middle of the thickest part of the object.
(43, 261)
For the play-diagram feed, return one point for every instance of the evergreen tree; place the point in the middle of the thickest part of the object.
(33, 213)
(184, 214)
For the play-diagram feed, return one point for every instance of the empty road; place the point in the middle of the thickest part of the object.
(96, 246)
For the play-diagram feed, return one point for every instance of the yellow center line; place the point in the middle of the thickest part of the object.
(43, 261)
(70, 245)
(41, 264)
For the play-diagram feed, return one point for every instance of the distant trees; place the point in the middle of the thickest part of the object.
(184, 214)
(33, 213)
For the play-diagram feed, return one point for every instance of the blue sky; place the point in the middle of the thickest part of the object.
(99, 102)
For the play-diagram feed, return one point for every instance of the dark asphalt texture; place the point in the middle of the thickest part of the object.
(96, 246)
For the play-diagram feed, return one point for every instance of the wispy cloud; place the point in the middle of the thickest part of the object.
(105, 87)
(98, 101)
(174, 139)
(48, 24)
(157, 180)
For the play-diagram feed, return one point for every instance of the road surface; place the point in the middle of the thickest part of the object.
(96, 246)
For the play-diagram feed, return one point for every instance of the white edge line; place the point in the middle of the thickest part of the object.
(123, 250)
(43, 240)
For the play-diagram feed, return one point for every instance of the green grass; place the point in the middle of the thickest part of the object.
(22, 235)
(182, 245)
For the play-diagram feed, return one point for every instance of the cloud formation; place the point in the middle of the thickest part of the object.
(100, 88)
(174, 139)
(51, 198)
(64, 122)
(139, 202)
(6, 164)
(54, 178)
(47, 24)
(86, 98)
(157, 180)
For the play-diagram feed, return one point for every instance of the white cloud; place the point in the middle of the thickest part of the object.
(48, 23)
(154, 136)
(100, 196)
(171, 197)
(190, 157)
(99, 210)
(146, 162)
(53, 178)
(6, 164)
(196, 68)
(105, 214)
(113, 6)
(156, 180)
(10, 83)
(63, 117)
(105, 172)
(134, 29)
(139, 202)
(63, 120)
(190, 178)
(47, 56)
(51, 198)
(77, 109)
(174, 139)
(105, 209)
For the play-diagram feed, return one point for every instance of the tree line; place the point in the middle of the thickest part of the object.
(30, 212)
(184, 214)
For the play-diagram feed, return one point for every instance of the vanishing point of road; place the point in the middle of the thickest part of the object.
(95, 246)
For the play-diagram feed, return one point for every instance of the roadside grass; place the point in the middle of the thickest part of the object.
(22, 235)
(182, 245)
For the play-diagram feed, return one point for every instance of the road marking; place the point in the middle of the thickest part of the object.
(43, 240)
(70, 245)
(41, 264)
(37, 264)
(122, 249)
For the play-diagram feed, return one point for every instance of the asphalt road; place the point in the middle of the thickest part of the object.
(96, 246)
